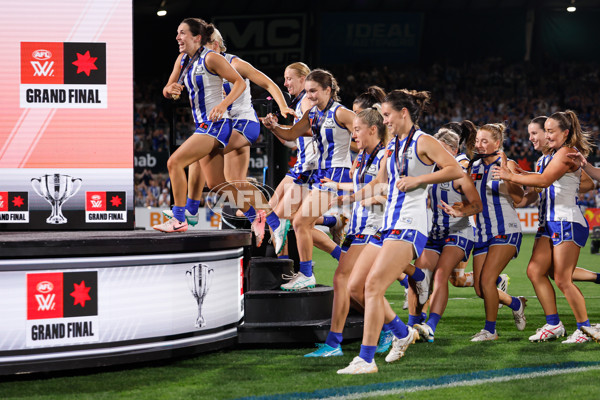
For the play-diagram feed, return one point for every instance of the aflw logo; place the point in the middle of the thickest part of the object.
(45, 302)
(44, 69)
(62, 294)
(96, 201)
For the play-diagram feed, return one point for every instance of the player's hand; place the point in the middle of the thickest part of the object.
(286, 112)
(502, 171)
(406, 183)
(578, 158)
(270, 121)
(218, 112)
(173, 90)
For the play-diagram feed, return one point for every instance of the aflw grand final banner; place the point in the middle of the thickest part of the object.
(66, 148)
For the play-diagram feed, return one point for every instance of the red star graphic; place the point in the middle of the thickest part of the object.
(18, 201)
(85, 63)
(115, 201)
(81, 293)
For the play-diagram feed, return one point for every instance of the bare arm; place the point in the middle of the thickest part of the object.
(560, 165)
(246, 70)
(375, 200)
(300, 128)
(217, 64)
(586, 183)
(515, 190)
(473, 204)
(429, 149)
(345, 118)
(172, 89)
(529, 198)
(376, 187)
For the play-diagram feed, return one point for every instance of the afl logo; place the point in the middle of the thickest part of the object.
(45, 287)
(42, 55)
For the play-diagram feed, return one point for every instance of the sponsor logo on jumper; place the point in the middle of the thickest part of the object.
(63, 75)
(14, 207)
(103, 207)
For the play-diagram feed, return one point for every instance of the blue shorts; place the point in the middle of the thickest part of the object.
(461, 242)
(513, 239)
(304, 178)
(336, 174)
(563, 231)
(248, 128)
(542, 232)
(413, 236)
(355, 240)
(220, 130)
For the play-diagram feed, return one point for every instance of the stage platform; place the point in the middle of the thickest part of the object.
(93, 298)
(97, 298)
(93, 243)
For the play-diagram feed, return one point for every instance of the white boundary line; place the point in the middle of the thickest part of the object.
(473, 382)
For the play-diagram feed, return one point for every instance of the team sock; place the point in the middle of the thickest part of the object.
(404, 282)
(333, 339)
(413, 319)
(498, 281)
(515, 304)
(416, 319)
(584, 323)
(386, 328)
(367, 353)
(192, 206)
(490, 326)
(179, 213)
(329, 220)
(597, 278)
(398, 328)
(418, 275)
(283, 257)
(433, 320)
(336, 253)
(273, 220)
(306, 268)
(250, 214)
(552, 319)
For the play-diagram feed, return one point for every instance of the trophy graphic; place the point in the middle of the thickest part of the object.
(199, 278)
(56, 189)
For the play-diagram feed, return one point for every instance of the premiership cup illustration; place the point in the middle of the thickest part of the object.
(56, 189)
(199, 280)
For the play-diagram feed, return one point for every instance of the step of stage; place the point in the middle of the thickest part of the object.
(312, 331)
(277, 316)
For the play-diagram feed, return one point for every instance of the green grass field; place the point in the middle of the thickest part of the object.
(244, 372)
